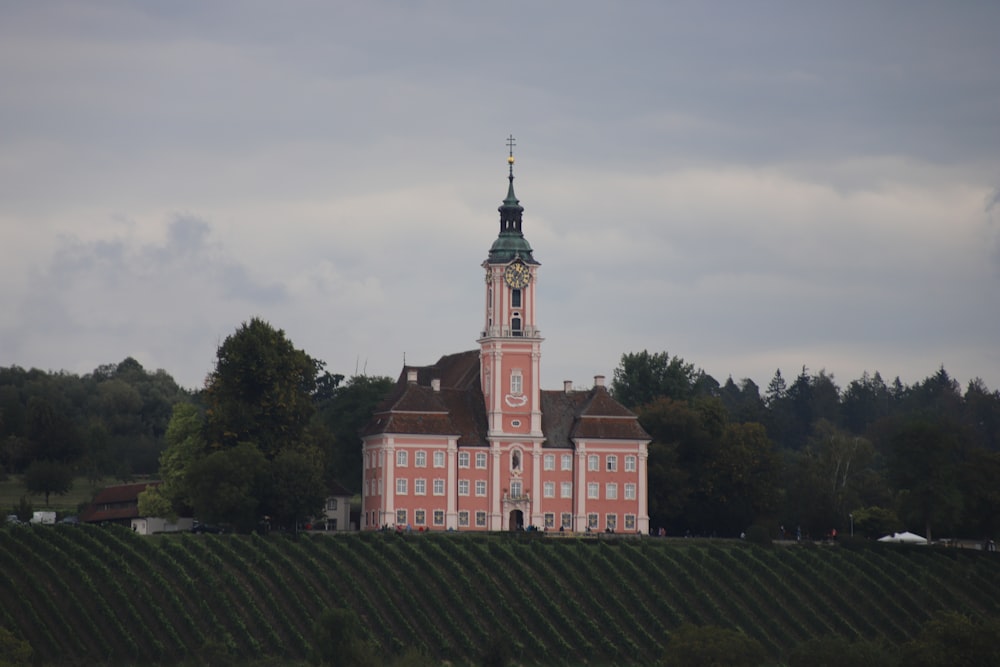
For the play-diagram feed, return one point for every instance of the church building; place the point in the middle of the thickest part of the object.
(473, 442)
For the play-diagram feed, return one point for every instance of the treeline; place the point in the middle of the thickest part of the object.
(807, 456)
(264, 397)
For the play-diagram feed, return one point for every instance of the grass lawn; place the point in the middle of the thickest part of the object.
(12, 489)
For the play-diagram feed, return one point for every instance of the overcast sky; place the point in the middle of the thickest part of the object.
(747, 185)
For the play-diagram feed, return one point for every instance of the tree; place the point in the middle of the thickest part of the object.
(342, 412)
(228, 486)
(953, 639)
(642, 377)
(926, 453)
(14, 652)
(339, 640)
(185, 445)
(711, 646)
(841, 652)
(297, 487)
(48, 477)
(260, 391)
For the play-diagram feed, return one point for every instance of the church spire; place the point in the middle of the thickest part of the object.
(511, 242)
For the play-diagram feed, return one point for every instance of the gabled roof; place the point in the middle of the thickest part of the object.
(115, 503)
(458, 408)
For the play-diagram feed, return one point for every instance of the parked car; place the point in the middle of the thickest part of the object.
(13, 520)
(206, 528)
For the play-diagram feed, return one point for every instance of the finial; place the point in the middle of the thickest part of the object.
(510, 156)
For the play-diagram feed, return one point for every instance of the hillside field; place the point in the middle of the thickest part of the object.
(91, 595)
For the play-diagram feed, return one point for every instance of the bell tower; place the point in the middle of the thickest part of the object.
(510, 344)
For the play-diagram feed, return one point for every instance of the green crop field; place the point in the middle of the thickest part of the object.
(90, 595)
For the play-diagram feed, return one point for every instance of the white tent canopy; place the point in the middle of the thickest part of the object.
(904, 538)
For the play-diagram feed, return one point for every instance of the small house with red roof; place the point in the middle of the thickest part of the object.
(120, 504)
(472, 442)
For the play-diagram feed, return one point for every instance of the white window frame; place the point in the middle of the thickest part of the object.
(481, 460)
(611, 463)
(481, 488)
(611, 491)
(420, 459)
(402, 457)
(630, 464)
(566, 490)
(438, 459)
(516, 383)
(463, 459)
(593, 521)
(480, 519)
(548, 489)
(463, 487)
(593, 463)
(629, 491)
(463, 519)
(400, 517)
(549, 462)
(420, 517)
(550, 520)
(593, 491)
(611, 521)
(420, 487)
(438, 487)
(516, 488)
(438, 517)
(567, 462)
(629, 522)
(401, 486)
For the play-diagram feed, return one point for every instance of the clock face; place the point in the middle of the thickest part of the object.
(517, 275)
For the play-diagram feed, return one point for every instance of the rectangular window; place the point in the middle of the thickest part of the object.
(438, 517)
(515, 383)
(463, 459)
(629, 522)
(438, 459)
(611, 491)
(612, 463)
(463, 518)
(566, 490)
(420, 486)
(566, 520)
(401, 457)
(515, 298)
(592, 521)
(439, 487)
(401, 486)
(481, 519)
(593, 463)
(380, 486)
(481, 460)
(420, 459)
(515, 488)
(629, 464)
(419, 517)
(550, 521)
(612, 522)
(400, 517)
(549, 462)
(593, 490)
(331, 503)
(549, 489)
(480, 487)
(567, 461)
(463, 487)
(630, 492)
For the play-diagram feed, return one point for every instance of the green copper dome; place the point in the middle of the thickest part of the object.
(510, 243)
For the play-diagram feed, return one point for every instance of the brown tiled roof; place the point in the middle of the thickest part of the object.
(116, 503)
(459, 408)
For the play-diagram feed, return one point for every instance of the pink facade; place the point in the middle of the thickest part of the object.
(473, 442)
